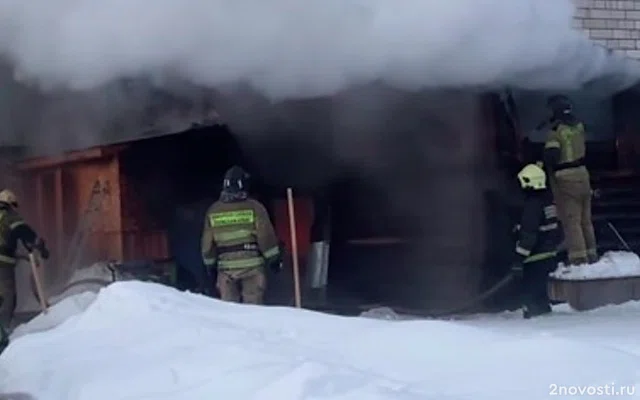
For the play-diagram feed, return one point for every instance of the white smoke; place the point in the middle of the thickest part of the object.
(297, 48)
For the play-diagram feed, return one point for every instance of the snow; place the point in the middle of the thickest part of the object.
(137, 340)
(97, 274)
(67, 307)
(614, 264)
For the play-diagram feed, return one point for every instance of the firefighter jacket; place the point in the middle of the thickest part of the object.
(564, 151)
(237, 235)
(539, 234)
(12, 229)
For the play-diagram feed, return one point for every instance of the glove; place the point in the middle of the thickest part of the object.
(275, 264)
(516, 270)
(42, 248)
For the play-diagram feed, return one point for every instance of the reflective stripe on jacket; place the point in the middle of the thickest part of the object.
(238, 235)
(539, 233)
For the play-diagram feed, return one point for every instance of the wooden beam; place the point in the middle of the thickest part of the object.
(59, 217)
(71, 157)
(40, 203)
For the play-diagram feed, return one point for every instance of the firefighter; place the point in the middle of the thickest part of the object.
(12, 229)
(239, 241)
(538, 236)
(564, 159)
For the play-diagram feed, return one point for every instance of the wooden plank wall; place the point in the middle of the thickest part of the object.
(60, 196)
(143, 238)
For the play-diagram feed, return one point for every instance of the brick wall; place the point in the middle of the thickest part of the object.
(614, 24)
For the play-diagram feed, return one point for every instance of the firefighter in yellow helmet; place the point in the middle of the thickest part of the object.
(239, 241)
(538, 236)
(564, 159)
(13, 229)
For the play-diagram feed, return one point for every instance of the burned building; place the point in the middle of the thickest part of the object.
(397, 182)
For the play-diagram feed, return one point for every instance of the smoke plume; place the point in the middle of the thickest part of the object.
(293, 48)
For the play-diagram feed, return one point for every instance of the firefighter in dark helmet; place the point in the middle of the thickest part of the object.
(564, 159)
(538, 236)
(239, 241)
(13, 229)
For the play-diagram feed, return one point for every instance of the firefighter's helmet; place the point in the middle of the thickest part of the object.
(235, 180)
(532, 177)
(559, 104)
(8, 197)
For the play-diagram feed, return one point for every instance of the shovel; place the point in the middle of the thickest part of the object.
(36, 277)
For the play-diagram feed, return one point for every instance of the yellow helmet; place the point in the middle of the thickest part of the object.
(532, 177)
(7, 196)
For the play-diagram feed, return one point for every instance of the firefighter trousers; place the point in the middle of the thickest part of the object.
(535, 296)
(245, 285)
(573, 202)
(7, 294)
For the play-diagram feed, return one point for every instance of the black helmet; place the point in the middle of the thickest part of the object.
(559, 105)
(235, 180)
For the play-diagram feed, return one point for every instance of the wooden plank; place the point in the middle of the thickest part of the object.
(115, 199)
(71, 157)
(59, 211)
(40, 202)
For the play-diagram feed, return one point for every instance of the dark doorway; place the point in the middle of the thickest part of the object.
(171, 181)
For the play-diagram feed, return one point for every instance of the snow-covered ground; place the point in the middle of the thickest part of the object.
(139, 340)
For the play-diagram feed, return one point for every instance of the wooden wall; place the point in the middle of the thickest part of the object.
(143, 237)
(56, 201)
(57, 197)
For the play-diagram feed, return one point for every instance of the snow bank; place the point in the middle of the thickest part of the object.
(95, 277)
(62, 311)
(614, 264)
(140, 340)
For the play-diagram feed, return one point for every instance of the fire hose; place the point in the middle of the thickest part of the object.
(459, 309)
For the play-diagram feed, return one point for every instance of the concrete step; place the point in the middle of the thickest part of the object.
(585, 295)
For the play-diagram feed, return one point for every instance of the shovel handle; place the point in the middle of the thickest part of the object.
(36, 278)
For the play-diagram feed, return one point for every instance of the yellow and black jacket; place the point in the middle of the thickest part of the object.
(12, 229)
(238, 235)
(539, 233)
